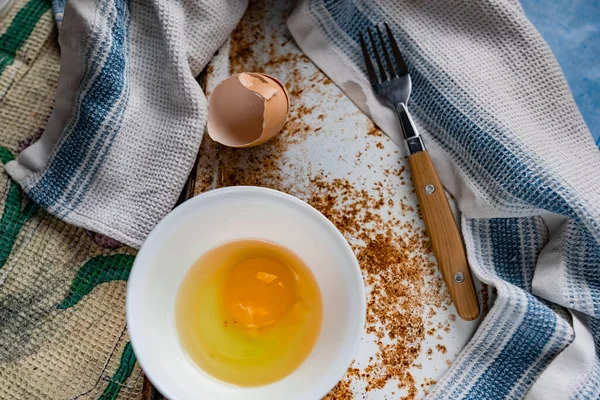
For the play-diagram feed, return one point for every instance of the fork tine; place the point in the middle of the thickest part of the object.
(384, 76)
(370, 70)
(397, 54)
(391, 71)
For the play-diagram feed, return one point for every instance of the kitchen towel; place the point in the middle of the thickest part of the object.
(129, 115)
(510, 145)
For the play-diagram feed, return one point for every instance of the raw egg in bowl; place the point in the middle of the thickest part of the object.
(245, 293)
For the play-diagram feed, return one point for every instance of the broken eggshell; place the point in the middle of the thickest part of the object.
(247, 109)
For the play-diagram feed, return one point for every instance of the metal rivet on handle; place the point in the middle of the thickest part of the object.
(429, 189)
(459, 277)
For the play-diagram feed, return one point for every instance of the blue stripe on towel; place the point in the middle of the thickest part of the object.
(583, 275)
(507, 250)
(592, 390)
(58, 7)
(106, 79)
(515, 247)
(539, 333)
(514, 244)
(523, 349)
(112, 125)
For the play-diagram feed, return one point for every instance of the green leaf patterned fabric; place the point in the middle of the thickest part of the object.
(96, 271)
(63, 333)
(14, 216)
(125, 367)
(19, 30)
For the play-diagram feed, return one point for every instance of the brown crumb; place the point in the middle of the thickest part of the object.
(341, 391)
(302, 110)
(373, 130)
(246, 38)
(441, 348)
(394, 266)
(428, 382)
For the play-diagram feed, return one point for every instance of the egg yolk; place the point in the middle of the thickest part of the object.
(259, 292)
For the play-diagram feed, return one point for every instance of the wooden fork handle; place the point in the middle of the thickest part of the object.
(444, 235)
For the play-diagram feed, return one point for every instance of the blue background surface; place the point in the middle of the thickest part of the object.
(572, 30)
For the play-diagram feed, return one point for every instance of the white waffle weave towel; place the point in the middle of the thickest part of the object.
(129, 114)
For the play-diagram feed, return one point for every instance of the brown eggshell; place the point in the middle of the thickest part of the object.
(247, 109)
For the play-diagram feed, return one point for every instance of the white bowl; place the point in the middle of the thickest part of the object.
(217, 217)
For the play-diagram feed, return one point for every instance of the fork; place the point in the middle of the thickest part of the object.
(392, 87)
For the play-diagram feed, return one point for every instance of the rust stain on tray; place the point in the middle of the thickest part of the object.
(403, 286)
